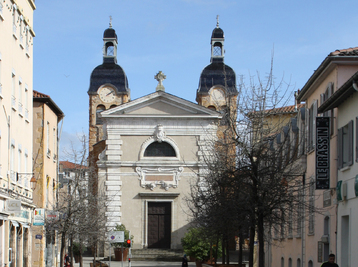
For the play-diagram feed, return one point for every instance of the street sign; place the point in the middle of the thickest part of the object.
(116, 236)
(38, 236)
(13, 205)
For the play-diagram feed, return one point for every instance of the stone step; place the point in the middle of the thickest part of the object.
(157, 254)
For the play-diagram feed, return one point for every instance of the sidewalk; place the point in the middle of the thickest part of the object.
(88, 260)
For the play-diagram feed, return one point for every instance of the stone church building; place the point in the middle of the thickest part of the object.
(152, 148)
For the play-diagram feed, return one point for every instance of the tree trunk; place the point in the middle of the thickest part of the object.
(252, 245)
(216, 250)
(227, 250)
(223, 250)
(63, 242)
(260, 233)
(71, 251)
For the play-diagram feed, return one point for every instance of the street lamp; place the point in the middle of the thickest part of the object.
(33, 183)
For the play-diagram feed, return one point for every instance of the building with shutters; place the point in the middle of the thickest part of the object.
(318, 234)
(345, 100)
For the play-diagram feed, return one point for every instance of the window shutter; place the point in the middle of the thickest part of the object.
(321, 99)
(315, 106)
(307, 133)
(339, 148)
(350, 143)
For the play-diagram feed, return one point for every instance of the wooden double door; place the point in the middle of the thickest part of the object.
(159, 224)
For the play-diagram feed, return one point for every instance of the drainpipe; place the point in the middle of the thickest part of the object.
(8, 119)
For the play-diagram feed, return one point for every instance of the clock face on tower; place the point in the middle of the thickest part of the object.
(107, 94)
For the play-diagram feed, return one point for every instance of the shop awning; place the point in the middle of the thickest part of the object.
(25, 225)
(15, 223)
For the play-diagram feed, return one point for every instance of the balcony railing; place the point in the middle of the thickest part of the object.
(13, 176)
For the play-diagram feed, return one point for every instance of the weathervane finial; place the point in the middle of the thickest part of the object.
(110, 21)
(217, 21)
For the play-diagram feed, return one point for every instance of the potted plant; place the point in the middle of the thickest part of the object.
(78, 249)
(118, 246)
(198, 245)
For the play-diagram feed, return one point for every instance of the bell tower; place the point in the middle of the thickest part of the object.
(110, 45)
(108, 86)
(217, 83)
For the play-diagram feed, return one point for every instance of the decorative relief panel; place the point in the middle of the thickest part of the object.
(163, 177)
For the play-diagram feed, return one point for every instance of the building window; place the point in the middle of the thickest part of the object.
(0, 78)
(282, 262)
(310, 263)
(327, 198)
(289, 262)
(298, 262)
(329, 113)
(54, 143)
(20, 96)
(27, 32)
(13, 85)
(100, 108)
(26, 101)
(12, 172)
(19, 176)
(48, 139)
(21, 22)
(301, 131)
(0, 154)
(157, 149)
(345, 145)
(26, 182)
(14, 11)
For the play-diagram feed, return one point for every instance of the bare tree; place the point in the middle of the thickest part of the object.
(80, 221)
(253, 180)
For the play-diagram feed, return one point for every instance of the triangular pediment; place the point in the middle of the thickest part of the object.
(160, 104)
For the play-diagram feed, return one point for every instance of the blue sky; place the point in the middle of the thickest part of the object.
(174, 36)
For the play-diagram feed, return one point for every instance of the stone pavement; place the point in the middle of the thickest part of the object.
(88, 260)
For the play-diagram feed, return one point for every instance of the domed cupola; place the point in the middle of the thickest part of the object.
(109, 72)
(217, 74)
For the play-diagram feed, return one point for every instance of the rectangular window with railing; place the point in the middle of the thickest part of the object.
(20, 97)
(12, 170)
(19, 172)
(13, 88)
(1, 77)
(14, 17)
(26, 102)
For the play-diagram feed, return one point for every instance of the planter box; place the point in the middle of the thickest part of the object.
(118, 254)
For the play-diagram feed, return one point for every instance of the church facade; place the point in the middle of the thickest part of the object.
(153, 148)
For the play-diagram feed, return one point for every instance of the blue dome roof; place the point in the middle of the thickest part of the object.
(110, 73)
(217, 33)
(213, 75)
(110, 33)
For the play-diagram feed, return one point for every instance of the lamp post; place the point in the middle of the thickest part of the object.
(33, 183)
